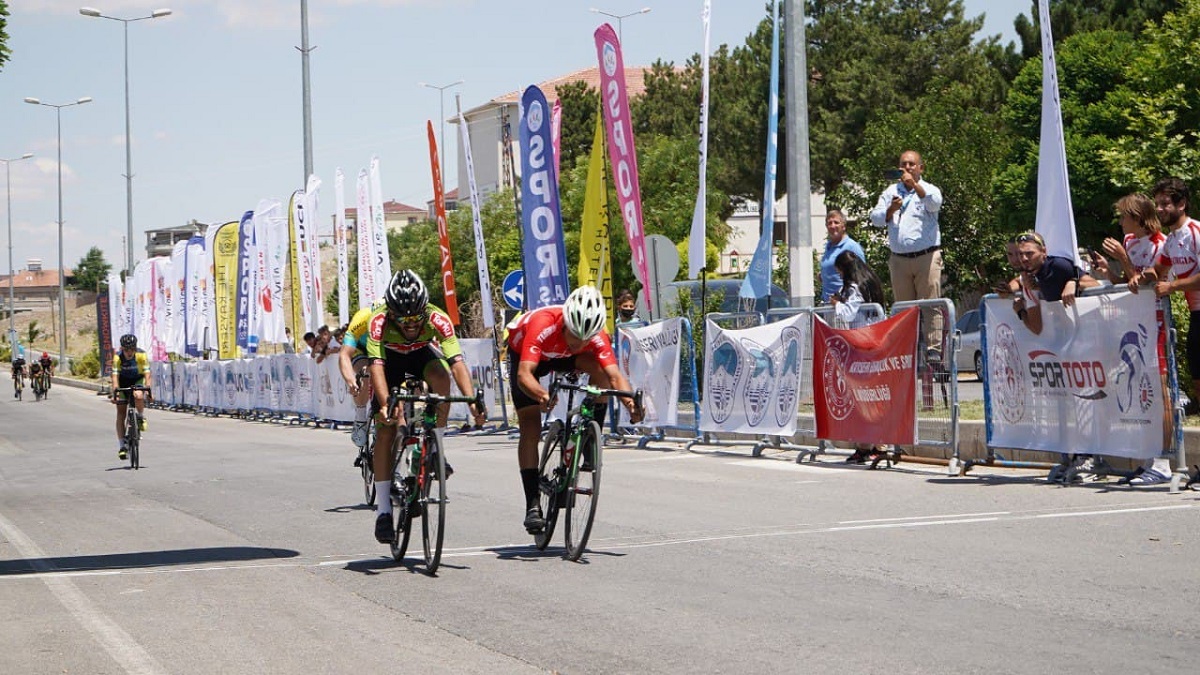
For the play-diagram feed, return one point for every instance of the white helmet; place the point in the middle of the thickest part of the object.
(584, 312)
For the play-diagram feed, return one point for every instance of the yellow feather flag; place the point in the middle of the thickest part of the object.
(595, 267)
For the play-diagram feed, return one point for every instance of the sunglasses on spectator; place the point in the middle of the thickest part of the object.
(1031, 236)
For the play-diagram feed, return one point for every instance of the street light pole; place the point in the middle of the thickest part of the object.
(12, 301)
(158, 13)
(442, 115)
(619, 17)
(62, 288)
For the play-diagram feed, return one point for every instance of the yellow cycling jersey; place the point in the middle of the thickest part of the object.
(359, 326)
(132, 370)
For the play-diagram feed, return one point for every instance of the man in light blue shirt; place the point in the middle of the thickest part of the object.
(836, 242)
(909, 210)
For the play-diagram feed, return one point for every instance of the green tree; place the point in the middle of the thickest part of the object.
(961, 146)
(1068, 17)
(4, 51)
(91, 272)
(1159, 108)
(871, 58)
(1094, 90)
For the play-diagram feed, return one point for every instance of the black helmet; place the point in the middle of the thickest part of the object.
(129, 341)
(406, 295)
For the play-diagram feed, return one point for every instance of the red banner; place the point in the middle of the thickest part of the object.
(439, 208)
(865, 381)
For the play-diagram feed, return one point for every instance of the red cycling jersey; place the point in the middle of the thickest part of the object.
(538, 336)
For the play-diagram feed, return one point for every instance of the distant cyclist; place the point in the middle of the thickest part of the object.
(18, 373)
(558, 338)
(47, 364)
(355, 368)
(130, 367)
(409, 336)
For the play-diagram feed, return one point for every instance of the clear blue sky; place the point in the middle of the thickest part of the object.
(216, 96)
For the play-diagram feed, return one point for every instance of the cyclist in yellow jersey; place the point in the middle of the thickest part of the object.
(355, 369)
(409, 336)
(130, 367)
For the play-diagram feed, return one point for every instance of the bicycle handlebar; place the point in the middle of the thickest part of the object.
(397, 396)
(589, 390)
(136, 387)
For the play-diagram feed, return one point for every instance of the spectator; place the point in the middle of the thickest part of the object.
(288, 347)
(627, 307)
(310, 339)
(836, 241)
(1055, 278)
(860, 285)
(1136, 255)
(326, 344)
(909, 210)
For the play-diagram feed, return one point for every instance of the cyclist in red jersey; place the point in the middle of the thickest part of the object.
(557, 338)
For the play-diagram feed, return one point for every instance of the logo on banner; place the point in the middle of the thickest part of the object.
(1134, 384)
(758, 387)
(230, 389)
(626, 348)
(838, 397)
(289, 384)
(789, 376)
(1054, 377)
(610, 59)
(724, 378)
(535, 117)
(1005, 375)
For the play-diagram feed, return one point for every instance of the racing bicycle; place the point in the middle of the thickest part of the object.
(366, 454)
(18, 385)
(419, 471)
(133, 428)
(569, 470)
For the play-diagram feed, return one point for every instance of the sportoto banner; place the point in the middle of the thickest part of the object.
(439, 212)
(752, 377)
(382, 266)
(1088, 383)
(649, 358)
(545, 254)
(481, 260)
(246, 265)
(865, 381)
(615, 102)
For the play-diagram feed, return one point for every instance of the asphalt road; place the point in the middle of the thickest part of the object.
(241, 547)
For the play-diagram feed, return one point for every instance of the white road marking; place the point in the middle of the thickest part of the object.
(1114, 511)
(780, 465)
(116, 642)
(951, 515)
(658, 458)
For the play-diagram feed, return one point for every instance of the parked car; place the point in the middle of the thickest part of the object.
(725, 289)
(970, 353)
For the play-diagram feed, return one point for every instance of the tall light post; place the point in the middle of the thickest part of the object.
(618, 17)
(442, 115)
(62, 288)
(156, 14)
(12, 302)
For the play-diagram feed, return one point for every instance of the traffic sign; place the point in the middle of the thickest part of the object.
(514, 289)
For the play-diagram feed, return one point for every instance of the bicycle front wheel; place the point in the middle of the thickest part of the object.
(132, 440)
(433, 499)
(401, 505)
(583, 491)
(550, 482)
(368, 468)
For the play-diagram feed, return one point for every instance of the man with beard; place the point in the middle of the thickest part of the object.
(1180, 257)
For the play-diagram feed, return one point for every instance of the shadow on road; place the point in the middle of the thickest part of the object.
(373, 566)
(121, 561)
(348, 508)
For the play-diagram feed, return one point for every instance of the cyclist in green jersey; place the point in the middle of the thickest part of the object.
(409, 336)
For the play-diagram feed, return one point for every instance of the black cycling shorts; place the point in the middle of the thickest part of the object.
(519, 398)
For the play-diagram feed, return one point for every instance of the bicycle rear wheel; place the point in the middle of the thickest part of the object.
(583, 491)
(550, 482)
(432, 497)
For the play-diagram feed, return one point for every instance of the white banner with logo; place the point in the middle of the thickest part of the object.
(481, 360)
(649, 358)
(752, 377)
(1089, 383)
